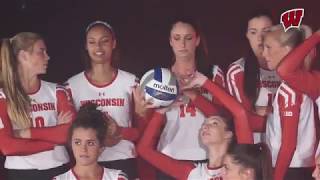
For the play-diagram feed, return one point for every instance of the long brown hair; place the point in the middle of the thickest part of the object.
(202, 53)
(253, 156)
(18, 102)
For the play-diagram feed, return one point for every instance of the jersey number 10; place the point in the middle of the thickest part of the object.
(39, 122)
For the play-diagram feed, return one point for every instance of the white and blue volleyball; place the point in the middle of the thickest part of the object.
(160, 86)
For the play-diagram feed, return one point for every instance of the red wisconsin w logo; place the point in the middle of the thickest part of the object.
(292, 18)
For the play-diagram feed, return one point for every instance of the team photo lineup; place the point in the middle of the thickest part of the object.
(189, 117)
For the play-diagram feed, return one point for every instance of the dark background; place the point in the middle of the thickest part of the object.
(141, 26)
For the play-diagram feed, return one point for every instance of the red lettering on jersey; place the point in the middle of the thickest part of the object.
(270, 99)
(182, 114)
(189, 108)
(105, 102)
(269, 84)
(43, 107)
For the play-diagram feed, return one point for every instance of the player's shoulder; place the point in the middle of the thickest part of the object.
(48, 85)
(236, 66)
(65, 176)
(114, 173)
(126, 78)
(77, 77)
(216, 69)
(126, 75)
(290, 95)
(2, 94)
(285, 89)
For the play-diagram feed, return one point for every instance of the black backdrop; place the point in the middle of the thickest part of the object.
(141, 26)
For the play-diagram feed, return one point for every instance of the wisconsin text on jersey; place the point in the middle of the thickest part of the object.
(43, 107)
(106, 102)
(269, 84)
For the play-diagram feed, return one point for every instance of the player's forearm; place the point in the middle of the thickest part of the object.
(205, 106)
(15, 146)
(292, 62)
(55, 134)
(130, 134)
(283, 162)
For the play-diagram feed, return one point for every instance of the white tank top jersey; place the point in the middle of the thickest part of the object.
(203, 172)
(304, 153)
(44, 104)
(268, 85)
(318, 104)
(108, 174)
(180, 136)
(115, 99)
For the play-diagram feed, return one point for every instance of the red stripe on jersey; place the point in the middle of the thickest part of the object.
(290, 68)
(288, 94)
(289, 104)
(235, 81)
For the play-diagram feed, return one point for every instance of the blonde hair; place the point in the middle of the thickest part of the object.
(292, 37)
(18, 102)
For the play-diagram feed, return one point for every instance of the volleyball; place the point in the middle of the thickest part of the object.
(160, 86)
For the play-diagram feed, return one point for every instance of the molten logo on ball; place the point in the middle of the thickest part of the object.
(164, 87)
(160, 86)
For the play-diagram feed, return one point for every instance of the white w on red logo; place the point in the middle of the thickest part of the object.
(292, 18)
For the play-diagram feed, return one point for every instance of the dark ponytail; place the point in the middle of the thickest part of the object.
(251, 75)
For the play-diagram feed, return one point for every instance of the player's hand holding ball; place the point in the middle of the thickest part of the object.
(141, 105)
(160, 87)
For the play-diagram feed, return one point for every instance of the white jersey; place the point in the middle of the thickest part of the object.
(108, 174)
(203, 172)
(180, 136)
(115, 99)
(268, 85)
(291, 104)
(44, 113)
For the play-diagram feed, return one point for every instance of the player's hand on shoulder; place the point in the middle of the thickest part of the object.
(113, 135)
(64, 117)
